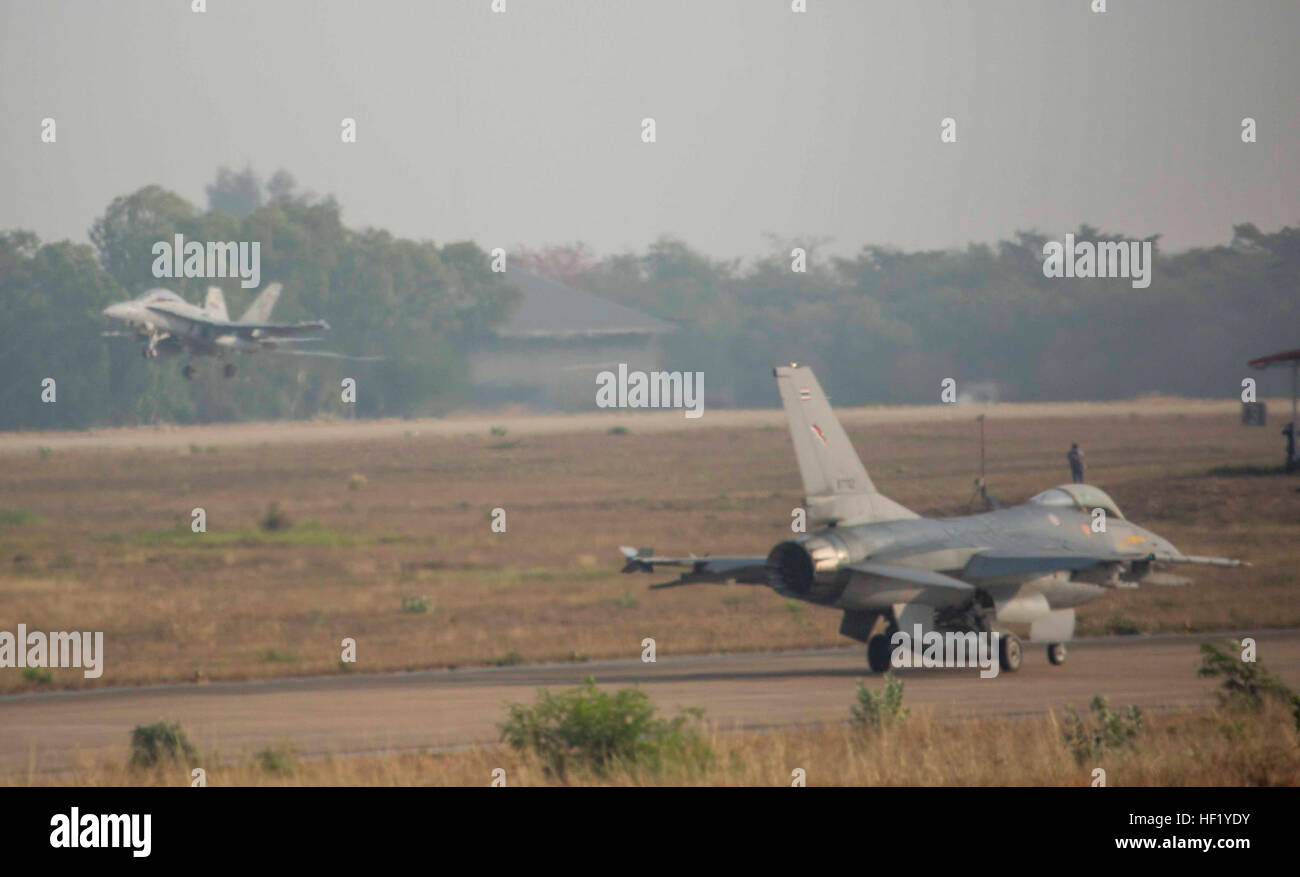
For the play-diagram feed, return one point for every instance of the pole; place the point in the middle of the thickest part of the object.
(1295, 387)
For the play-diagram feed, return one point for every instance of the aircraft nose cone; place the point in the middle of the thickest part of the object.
(113, 310)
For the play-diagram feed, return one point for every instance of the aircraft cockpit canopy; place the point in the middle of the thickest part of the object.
(156, 295)
(1084, 497)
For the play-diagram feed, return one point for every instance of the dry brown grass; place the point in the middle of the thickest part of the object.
(101, 554)
(1212, 749)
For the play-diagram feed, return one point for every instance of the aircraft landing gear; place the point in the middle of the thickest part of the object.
(878, 651)
(228, 370)
(1009, 652)
(188, 372)
(1056, 653)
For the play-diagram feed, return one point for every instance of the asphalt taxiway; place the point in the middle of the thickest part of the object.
(355, 713)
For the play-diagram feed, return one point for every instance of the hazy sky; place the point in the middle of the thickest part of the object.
(524, 128)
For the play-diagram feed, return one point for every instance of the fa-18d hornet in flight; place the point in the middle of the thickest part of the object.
(874, 559)
(169, 324)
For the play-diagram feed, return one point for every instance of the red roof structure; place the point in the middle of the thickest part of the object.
(1266, 361)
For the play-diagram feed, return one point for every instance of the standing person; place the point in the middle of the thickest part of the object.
(1076, 463)
(1289, 432)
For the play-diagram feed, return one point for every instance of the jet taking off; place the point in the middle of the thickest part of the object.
(169, 324)
(874, 559)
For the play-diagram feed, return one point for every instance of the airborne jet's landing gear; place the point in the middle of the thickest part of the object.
(188, 372)
(149, 352)
(1056, 653)
(1010, 653)
(878, 650)
(228, 370)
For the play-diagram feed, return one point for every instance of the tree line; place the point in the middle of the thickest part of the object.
(880, 326)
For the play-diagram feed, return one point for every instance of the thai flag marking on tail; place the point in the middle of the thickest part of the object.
(804, 394)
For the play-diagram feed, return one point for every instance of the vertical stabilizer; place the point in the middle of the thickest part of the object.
(836, 485)
(260, 310)
(215, 304)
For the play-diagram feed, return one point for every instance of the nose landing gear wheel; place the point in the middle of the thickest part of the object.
(1056, 653)
(1009, 652)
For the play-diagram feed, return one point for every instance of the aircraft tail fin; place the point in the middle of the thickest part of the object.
(260, 310)
(215, 304)
(836, 485)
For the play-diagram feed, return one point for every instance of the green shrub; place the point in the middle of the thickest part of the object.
(17, 517)
(37, 675)
(795, 608)
(1110, 730)
(1246, 684)
(277, 656)
(874, 711)
(511, 659)
(275, 519)
(277, 759)
(1121, 626)
(418, 605)
(585, 727)
(619, 430)
(160, 742)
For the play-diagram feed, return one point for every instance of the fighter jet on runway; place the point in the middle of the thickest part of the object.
(874, 559)
(169, 324)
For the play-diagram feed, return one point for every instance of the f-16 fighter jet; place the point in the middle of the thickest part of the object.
(170, 325)
(874, 559)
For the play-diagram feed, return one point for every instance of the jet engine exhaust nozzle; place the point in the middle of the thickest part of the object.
(797, 566)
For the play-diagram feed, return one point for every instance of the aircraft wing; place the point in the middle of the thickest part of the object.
(276, 330)
(745, 570)
(250, 330)
(992, 565)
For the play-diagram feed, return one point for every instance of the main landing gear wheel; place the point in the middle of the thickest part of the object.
(228, 370)
(1009, 652)
(1056, 653)
(188, 372)
(878, 653)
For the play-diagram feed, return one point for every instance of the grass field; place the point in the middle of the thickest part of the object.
(389, 540)
(1209, 749)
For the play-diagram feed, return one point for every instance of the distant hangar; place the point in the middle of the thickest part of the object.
(549, 352)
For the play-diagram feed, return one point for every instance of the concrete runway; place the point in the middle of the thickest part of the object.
(406, 711)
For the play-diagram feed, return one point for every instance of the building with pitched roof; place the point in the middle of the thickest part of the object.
(549, 353)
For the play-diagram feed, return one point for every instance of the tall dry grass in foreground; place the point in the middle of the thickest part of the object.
(1218, 748)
